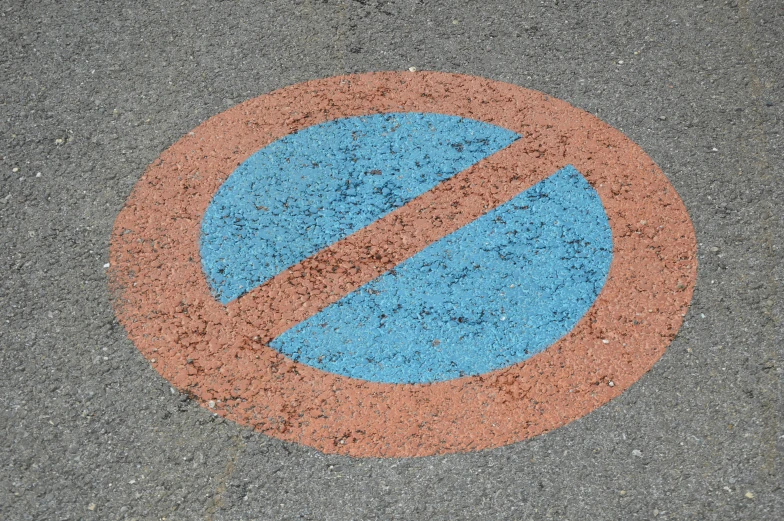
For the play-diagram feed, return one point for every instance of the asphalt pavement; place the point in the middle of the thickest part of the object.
(93, 92)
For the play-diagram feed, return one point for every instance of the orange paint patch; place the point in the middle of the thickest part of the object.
(219, 353)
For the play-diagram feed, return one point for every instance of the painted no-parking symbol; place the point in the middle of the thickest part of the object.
(403, 264)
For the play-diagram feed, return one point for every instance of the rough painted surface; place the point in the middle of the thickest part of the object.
(494, 293)
(219, 354)
(305, 191)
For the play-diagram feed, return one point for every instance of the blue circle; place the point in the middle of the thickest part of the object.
(493, 293)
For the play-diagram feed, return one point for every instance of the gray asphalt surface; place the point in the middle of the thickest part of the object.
(92, 92)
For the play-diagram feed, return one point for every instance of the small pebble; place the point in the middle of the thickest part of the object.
(636, 453)
(106, 265)
(605, 341)
(38, 174)
(15, 169)
(611, 384)
(749, 494)
(714, 249)
(211, 404)
(59, 141)
(412, 69)
(91, 507)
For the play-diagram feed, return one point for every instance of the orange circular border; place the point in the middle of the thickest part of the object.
(162, 298)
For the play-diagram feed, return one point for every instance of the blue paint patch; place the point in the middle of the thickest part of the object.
(310, 189)
(489, 295)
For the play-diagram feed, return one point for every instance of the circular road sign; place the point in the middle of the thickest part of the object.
(403, 264)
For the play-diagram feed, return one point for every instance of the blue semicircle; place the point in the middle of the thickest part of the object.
(493, 293)
(312, 188)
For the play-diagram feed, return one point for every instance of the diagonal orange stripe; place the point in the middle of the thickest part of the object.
(327, 276)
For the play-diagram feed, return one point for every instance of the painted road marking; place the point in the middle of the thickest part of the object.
(306, 191)
(491, 294)
(369, 252)
(214, 314)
